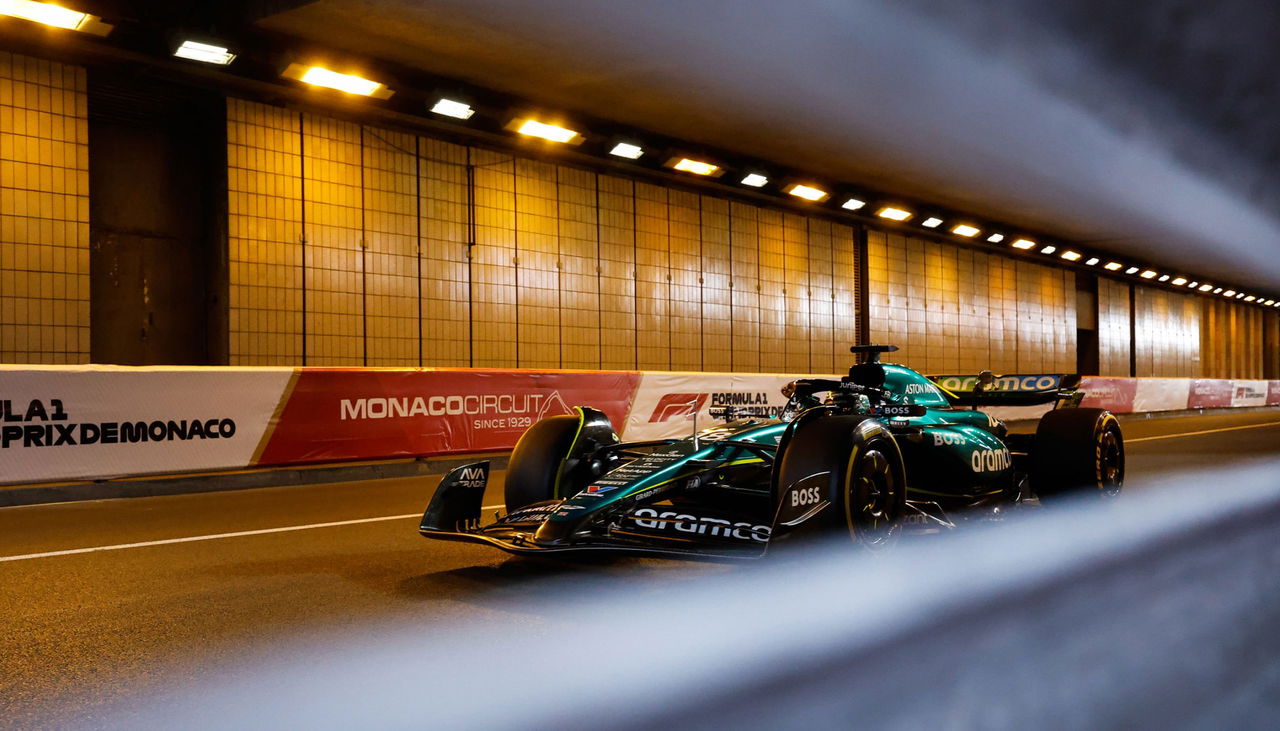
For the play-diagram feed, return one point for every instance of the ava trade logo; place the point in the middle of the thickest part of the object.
(678, 405)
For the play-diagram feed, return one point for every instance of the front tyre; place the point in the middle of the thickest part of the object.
(534, 468)
(1078, 452)
(850, 464)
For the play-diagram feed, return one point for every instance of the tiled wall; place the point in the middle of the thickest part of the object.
(1231, 340)
(44, 212)
(1114, 336)
(1167, 333)
(348, 223)
(954, 310)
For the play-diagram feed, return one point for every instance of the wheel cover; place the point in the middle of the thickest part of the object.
(872, 499)
(1110, 463)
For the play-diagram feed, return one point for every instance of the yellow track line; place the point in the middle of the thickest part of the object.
(1204, 431)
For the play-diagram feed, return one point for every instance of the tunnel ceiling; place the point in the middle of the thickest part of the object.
(1144, 131)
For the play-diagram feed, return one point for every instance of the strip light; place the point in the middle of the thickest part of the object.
(965, 230)
(43, 13)
(894, 214)
(455, 109)
(697, 167)
(205, 53)
(627, 150)
(545, 131)
(329, 79)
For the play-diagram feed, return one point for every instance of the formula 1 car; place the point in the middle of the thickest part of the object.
(861, 458)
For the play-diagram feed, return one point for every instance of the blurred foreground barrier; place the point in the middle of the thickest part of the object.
(99, 422)
(1157, 610)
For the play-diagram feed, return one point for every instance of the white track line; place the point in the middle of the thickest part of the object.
(1205, 431)
(214, 537)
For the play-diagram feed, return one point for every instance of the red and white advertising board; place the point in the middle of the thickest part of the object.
(1113, 394)
(70, 423)
(1273, 393)
(1210, 393)
(1248, 393)
(666, 403)
(1161, 394)
(348, 414)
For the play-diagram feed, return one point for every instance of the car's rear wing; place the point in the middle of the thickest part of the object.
(987, 389)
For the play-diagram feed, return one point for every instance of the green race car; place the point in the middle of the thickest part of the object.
(866, 457)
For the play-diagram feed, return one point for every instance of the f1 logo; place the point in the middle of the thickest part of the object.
(673, 405)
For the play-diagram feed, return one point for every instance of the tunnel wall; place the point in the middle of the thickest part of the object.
(350, 244)
(955, 310)
(44, 212)
(518, 256)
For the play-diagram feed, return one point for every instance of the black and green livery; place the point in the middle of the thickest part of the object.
(863, 457)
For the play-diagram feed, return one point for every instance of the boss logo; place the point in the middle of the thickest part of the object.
(806, 496)
(991, 460)
(941, 438)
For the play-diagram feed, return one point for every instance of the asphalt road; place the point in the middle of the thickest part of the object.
(87, 633)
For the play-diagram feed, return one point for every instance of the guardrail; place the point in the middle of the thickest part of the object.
(97, 422)
(1155, 610)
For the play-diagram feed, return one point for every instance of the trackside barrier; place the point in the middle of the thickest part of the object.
(1157, 610)
(98, 422)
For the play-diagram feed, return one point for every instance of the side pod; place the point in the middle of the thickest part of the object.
(456, 505)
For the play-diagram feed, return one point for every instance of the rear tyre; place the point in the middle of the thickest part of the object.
(857, 464)
(535, 463)
(1078, 452)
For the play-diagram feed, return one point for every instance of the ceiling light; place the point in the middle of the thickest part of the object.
(627, 150)
(451, 108)
(697, 167)
(349, 83)
(1023, 244)
(1240, 295)
(807, 192)
(995, 238)
(1250, 298)
(965, 230)
(1228, 293)
(1193, 285)
(1206, 288)
(1071, 255)
(1163, 278)
(932, 222)
(894, 214)
(545, 131)
(853, 204)
(1148, 274)
(204, 52)
(1131, 270)
(1112, 266)
(1093, 261)
(1179, 281)
(1218, 290)
(755, 180)
(54, 16)
(1268, 303)
(1048, 249)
